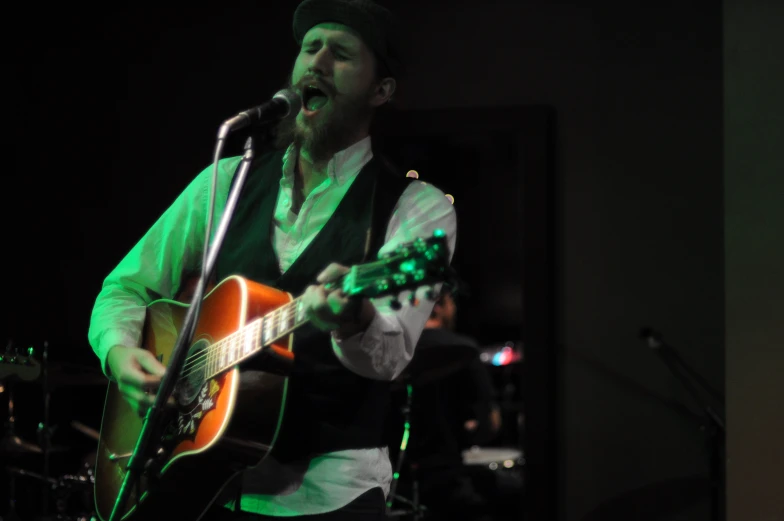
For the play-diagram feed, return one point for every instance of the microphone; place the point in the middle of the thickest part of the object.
(282, 104)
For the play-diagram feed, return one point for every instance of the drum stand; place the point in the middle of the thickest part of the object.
(11, 441)
(414, 508)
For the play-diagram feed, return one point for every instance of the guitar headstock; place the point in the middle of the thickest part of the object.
(413, 265)
(24, 366)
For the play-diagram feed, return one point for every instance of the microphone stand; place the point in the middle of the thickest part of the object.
(714, 429)
(45, 429)
(417, 510)
(143, 459)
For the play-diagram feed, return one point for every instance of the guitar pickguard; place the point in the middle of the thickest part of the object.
(189, 417)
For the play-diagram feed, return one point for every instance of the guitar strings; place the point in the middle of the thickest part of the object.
(203, 363)
(244, 336)
(198, 361)
(191, 361)
(273, 317)
(210, 354)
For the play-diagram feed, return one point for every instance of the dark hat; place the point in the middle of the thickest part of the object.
(376, 25)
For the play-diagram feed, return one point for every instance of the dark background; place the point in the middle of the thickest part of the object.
(667, 116)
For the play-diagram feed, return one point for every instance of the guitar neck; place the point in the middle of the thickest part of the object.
(254, 336)
(409, 266)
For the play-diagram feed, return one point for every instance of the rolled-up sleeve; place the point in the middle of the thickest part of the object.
(386, 347)
(156, 264)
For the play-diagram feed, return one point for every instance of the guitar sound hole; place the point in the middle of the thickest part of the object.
(193, 374)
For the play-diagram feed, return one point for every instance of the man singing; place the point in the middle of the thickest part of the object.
(318, 203)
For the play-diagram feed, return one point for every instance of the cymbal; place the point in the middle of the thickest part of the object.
(87, 431)
(29, 474)
(439, 353)
(12, 444)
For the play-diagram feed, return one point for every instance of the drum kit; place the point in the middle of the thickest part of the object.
(69, 496)
(27, 465)
(432, 362)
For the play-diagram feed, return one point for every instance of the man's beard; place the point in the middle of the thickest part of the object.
(327, 133)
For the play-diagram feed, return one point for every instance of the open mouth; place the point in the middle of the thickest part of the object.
(313, 99)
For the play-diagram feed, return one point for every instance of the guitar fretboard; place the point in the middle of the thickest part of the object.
(252, 337)
(411, 265)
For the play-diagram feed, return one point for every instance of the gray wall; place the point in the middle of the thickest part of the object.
(638, 97)
(754, 195)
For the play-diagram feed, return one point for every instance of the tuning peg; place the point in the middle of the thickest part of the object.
(395, 304)
(382, 285)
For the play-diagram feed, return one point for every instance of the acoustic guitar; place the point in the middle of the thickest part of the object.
(208, 438)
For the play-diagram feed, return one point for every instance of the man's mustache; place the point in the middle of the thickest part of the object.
(319, 83)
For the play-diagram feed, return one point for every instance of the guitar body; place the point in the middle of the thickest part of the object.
(221, 424)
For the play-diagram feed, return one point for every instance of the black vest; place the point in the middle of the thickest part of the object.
(328, 407)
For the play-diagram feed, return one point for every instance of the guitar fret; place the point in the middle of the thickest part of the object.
(226, 353)
(281, 320)
(250, 340)
(289, 318)
(233, 347)
(267, 336)
(294, 308)
(278, 323)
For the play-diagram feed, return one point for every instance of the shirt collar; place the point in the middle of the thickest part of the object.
(343, 167)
